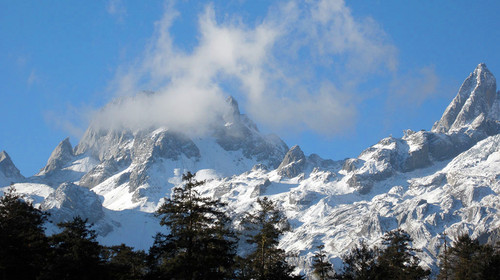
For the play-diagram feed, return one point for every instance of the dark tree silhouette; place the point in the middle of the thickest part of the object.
(360, 263)
(75, 253)
(200, 243)
(322, 268)
(263, 228)
(123, 263)
(467, 259)
(23, 244)
(398, 259)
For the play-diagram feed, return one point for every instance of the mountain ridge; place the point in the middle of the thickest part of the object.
(427, 182)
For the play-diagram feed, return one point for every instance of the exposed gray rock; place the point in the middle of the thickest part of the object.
(165, 144)
(293, 163)
(8, 171)
(100, 173)
(260, 166)
(105, 144)
(61, 155)
(260, 189)
(418, 155)
(473, 102)
(352, 164)
(240, 133)
(70, 200)
(315, 161)
(138, 177)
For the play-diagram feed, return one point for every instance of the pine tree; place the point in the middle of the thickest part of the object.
(398, 260)
(123, 263)
(322, 268)
(491, 269)
(200, 243)
(360, 263)
(23, 244)
(470, 260)
(75, 253)
(444, 261)
(266, 260)
(464, 255)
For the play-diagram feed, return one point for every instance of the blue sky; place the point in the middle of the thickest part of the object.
(331, 76)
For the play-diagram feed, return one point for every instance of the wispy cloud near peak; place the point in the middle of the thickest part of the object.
(296, 69)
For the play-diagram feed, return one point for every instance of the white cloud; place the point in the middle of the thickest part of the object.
(297, 69)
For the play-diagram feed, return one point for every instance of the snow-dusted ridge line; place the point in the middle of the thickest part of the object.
(426, 182)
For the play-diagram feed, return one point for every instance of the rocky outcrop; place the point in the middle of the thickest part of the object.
(70, 200)
(240, 133)
(163, 144)
(100, 173)
(61, 155)
(8, 171)
(293, 163)
(104, 144)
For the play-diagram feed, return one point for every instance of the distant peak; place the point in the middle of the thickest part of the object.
(296, 149)
(482, 73)
(8, 169)
(4, 156)
(482, 66)
(474, 101)
(233, 111)
(293, 163)
(61, 155)
(65, 141)
(234, 105)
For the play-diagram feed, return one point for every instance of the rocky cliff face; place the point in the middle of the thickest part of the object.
(293, 164)
(61, 155)
(8, 171)
(474, 106)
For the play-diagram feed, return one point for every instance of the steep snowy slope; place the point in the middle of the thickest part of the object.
(427, 182)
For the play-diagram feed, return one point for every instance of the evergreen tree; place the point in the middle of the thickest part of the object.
(322, 268)
(200, 243)
(465, 258)
(470, 260)
(23, 244)
(398, 260)
(266, 260)
(123, 263)
(75, 253)
(444, 261)
(359, 264)
(491, 270)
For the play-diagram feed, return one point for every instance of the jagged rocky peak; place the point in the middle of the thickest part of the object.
(104, 144)
(474, 104)
(293, 163)
(61, 155)
(8, 170)
(240, 133)
(233, 113)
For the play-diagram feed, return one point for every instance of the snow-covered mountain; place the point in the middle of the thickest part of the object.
(427, 182)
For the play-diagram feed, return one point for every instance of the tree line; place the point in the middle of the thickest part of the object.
(200, 242)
